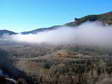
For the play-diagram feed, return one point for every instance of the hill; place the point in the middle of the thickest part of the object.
(3, 32)
(64, 64)
(105, 18)
(41, 30)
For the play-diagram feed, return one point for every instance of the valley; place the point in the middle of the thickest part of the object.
(55, 60)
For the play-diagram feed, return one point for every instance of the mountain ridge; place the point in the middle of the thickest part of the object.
(105, 18)
(41, 29)
(3, 32)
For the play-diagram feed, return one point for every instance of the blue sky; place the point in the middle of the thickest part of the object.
(23, 15)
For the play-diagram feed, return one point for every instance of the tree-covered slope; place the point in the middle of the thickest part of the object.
(105, 18)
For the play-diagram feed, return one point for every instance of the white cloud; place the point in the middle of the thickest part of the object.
(89, 34)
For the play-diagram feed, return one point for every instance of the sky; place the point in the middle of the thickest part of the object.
(25, 15)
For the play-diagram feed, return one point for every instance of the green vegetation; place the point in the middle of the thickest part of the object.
(104, 18)
(48, 64)
(62, 65)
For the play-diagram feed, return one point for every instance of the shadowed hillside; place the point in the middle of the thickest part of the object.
(6, 32)
(9, 73)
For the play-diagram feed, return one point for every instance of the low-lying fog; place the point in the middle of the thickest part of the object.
(89, 34)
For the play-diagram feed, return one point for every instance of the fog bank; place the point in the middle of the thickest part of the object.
(87, 34)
